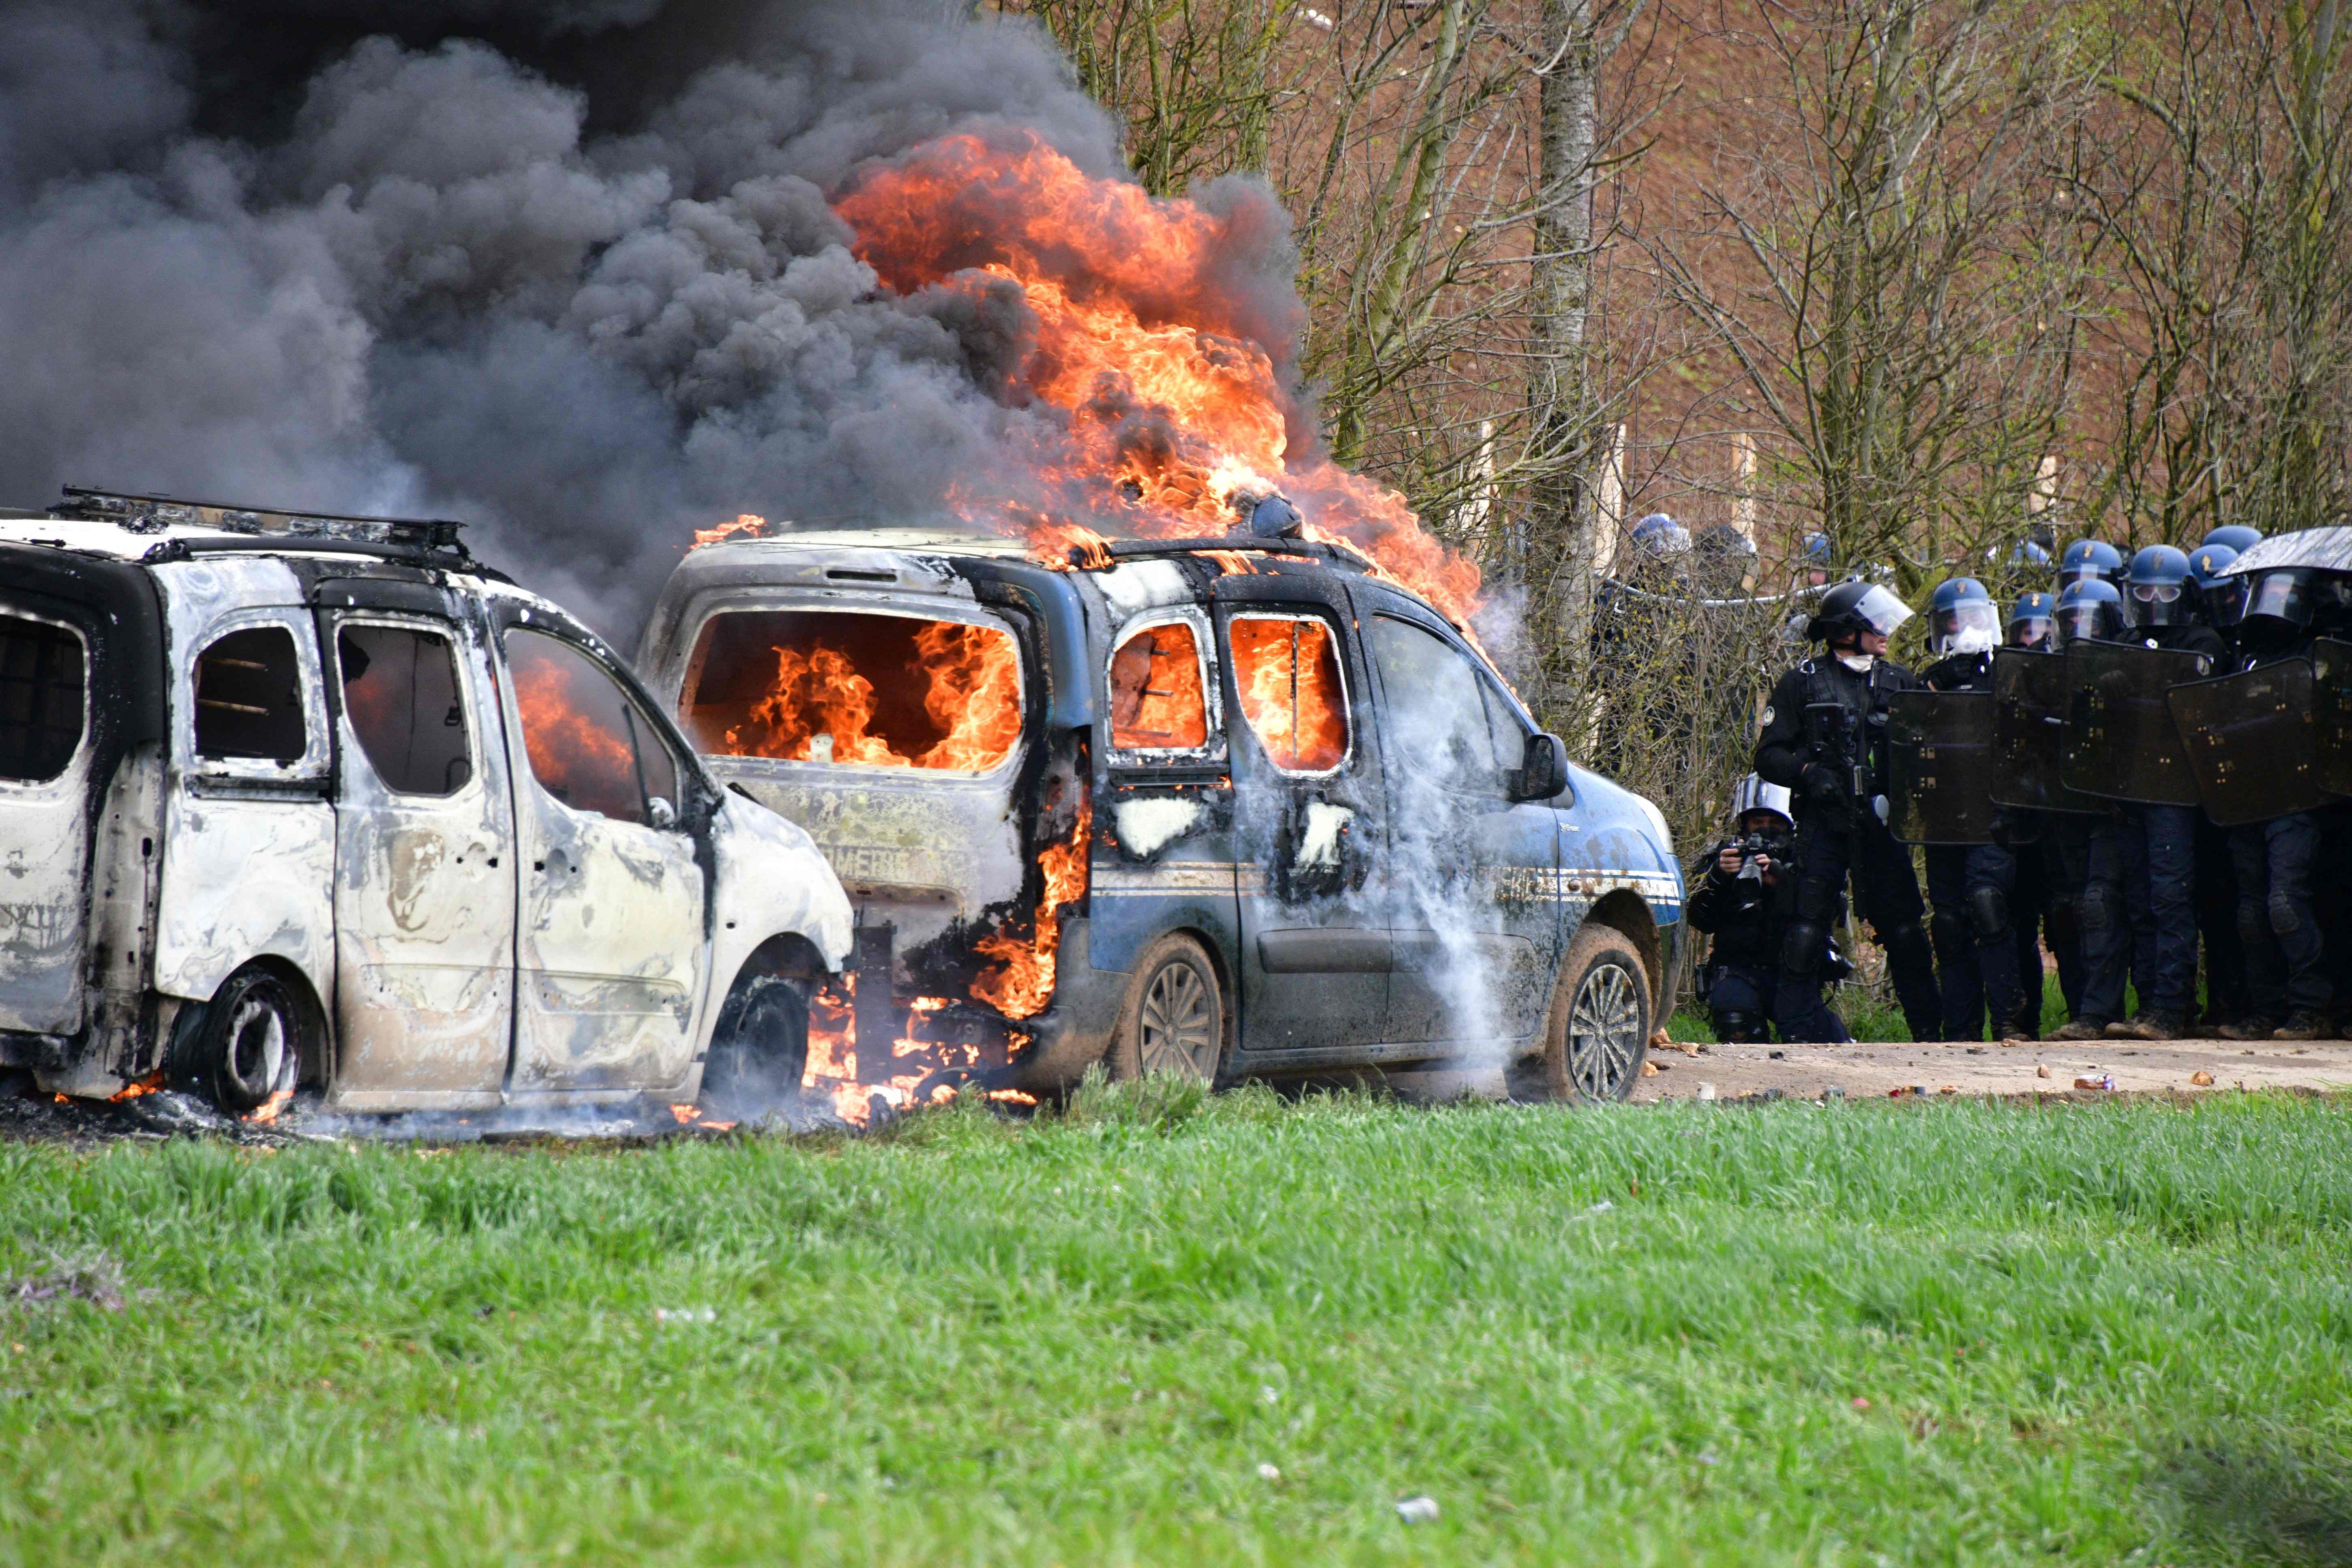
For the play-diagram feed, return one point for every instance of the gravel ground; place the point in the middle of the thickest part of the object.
(2012, 1068)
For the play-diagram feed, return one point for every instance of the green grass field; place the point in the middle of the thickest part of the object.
(1947, 1332)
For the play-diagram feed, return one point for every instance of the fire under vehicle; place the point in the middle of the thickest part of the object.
(291, 800)
(1230, 807)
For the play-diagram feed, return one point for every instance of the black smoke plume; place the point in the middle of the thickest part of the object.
(568, 271)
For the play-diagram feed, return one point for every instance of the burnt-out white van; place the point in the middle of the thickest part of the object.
(1223, 807)
(291, 800)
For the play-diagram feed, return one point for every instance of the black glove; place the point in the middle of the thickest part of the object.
(1823, 784)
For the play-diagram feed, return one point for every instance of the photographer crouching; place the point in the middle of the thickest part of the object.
(1742, 899)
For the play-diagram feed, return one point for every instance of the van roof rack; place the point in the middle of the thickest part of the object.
(433, 539)
(1309, 549)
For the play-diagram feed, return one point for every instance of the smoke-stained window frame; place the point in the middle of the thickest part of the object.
(311, 770)
(454, 641)
(1272, 611)
(52, 784)
(1204, 652)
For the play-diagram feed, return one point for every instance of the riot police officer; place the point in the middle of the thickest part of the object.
(1744, 897)
(2157, 841)
(1969, 886)
(2042, 905)
(2236, 535)
(2219, 599)
(2090, 609)
(1824, 741)
(2286, 953)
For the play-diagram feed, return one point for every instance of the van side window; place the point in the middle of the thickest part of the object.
(1157, 702)
(400, 692)
(1511, 736)
(1436, 705)
(590, 746)
(1287, 675)
(250, 696)
(42, 699)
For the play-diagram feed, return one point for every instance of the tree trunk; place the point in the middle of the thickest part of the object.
(1562, 494)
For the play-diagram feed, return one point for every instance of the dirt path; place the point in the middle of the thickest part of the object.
(2012, 1067)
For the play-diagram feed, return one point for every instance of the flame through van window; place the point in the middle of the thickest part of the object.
(854, 688)
(589, 745)
(1287, 674)
(1156, 699)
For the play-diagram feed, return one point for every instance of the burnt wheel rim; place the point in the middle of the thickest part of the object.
(1177, 1026)
(257, 1053)
(1604, 1032)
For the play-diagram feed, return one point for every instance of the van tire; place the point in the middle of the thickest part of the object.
(250, 1044)
(1597, 1032)
(759, 1049)
(1173, 1019)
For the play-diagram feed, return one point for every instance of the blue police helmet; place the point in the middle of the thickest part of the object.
(2090, 610)
(2030, 621)
(2237, 536)
(2221, 598)
(1961, 617)
(2028, 554)
(1817, 550)
(2157, 584)
(1659, 534)
(2090, 558)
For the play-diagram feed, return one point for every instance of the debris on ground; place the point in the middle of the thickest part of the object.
(2201, 1078)
(1416, 1510)
(95, 1279)
(1267, 1472)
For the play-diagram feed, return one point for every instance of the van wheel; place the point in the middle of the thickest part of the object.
(1173, 1020)
(249, 1047)
(759, 1050)
(1596, 1034)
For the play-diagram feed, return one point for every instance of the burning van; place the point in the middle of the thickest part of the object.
(295, 800)
(1226, 807)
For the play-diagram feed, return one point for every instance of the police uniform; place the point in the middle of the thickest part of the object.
(1838, 837)
(1747, 921)
(1972, 889)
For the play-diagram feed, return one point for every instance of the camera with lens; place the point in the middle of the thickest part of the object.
(1750, 845)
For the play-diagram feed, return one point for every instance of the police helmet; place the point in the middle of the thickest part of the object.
(1817, 550)
(2220, 598)
(2092, 560)
(2236, 535)
(1752, 793)
(1961, 617)
(2158, 583)
(1276, 518)
(2025, 552)
(1852, 608)
(2090, 611)
(1658, 536)
(2283, 603)
(2029, 622)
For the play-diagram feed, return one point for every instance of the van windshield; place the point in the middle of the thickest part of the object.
(853, 689)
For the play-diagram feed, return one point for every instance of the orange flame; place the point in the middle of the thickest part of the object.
(855, 1078)
(268, 1110)
(1287, 673)
(1156, 699)
(1026, 983)
(749, 523)
(1064, 545)
(691, 1116)
(1175, 379)
(580, 758)
(822, 706)
(148, 1085)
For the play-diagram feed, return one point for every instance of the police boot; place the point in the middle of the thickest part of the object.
(2303, 1025)
(2149, 1026)
(2247, 1029)
(2081, 1029)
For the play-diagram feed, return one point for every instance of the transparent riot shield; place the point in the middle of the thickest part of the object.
(2029, 731)
(1942, 760)
(2120, 740)
(2254, 740)
(2331, 698)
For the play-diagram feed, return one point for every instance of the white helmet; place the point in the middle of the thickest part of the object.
(1752, 793)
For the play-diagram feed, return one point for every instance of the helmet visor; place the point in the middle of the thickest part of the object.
(2225, 601)
(2092, 622)
(2153, 603)
(2029, 631)
(1881, 611)
(1972, 626)
(2284, 596)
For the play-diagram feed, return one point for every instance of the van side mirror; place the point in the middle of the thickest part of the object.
(660, 812)
(1543, 769)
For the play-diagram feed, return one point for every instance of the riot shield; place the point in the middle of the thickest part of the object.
(1940, 755)
(2120, 742)
(2331, 699)
(2254, 740)
(2028, 731)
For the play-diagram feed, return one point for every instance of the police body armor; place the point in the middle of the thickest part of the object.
(2253, 739)
(2120, 739)
(2030, 734)
(2331, 697)
(1941, 766)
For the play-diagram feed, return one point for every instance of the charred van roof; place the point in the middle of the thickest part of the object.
(151, 530)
